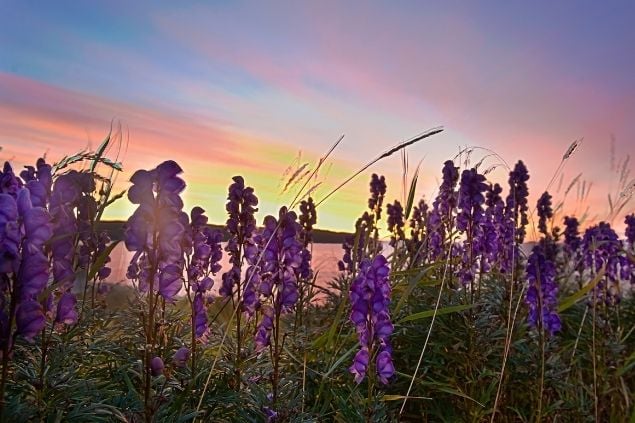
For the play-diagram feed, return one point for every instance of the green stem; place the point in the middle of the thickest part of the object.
(5, 349)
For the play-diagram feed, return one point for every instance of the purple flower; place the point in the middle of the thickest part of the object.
(440, 220)
(472, 220)
(370, 296)
(200, 316)
(601, 247)
(170, 281)
(156, 366)
(181, 356)
(307, 218)
(385, 367)
(157, 229)
(241, 225)
(377, 193)
(29, 319)
(516, 205)
(629, 221)
(263, 331)
(545, 212)
(542, 294)
(395, 222)
(66, 312)
(9, 184)
(281, 258)
(360, 365)
(572, 238)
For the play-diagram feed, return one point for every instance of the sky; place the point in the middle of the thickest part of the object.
(253, 88)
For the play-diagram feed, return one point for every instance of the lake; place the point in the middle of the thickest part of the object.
(325, 258)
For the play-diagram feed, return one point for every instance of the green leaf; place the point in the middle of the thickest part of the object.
(400, 397)
(327, 338)
(411, 193)
(340, 360)
(101, 260)
(572, 299)
(440, 312)
(100, 152)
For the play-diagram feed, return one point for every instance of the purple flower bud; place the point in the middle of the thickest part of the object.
(181, 357)
(156, 366)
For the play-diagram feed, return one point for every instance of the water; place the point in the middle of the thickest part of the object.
(325, 258)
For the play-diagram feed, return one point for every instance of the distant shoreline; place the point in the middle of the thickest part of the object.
(322, 236)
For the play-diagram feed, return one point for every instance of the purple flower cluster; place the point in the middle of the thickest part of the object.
(377, 193)
(572, 238)
(542, 294)
(354, 253)
(241, 225)
(545, 212)
(281, 259)
(417, 232)
(629, 221)
(24, 269)
(156, 229)
(440, 218)
(395, 222)
(494, 224)
(202, 245)
(307, 219)
(471, 220)
(512, 227)
(516, 206)
(370, 298)
(601, 247)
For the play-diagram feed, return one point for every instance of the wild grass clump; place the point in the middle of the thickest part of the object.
(441, 311)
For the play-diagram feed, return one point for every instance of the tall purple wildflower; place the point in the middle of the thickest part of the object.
(494, 224)
(38, 180)
(241, 225)
(517, 200)
(629, 221)
(281, 257)
(24, 270)
(370, 298)
(417, 224)
(395, 222)
(515, 220)
(440, 219)
(545, 212)
(377, 193)
(307, 219)
(572, 238)
(203, 248)
(155, 230)
(542, 294)
(355, 245)
(471, 221)
(601, 248)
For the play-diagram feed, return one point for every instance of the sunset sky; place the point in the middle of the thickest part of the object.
(228, 88)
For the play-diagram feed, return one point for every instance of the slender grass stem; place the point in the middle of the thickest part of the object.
(425, 344)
